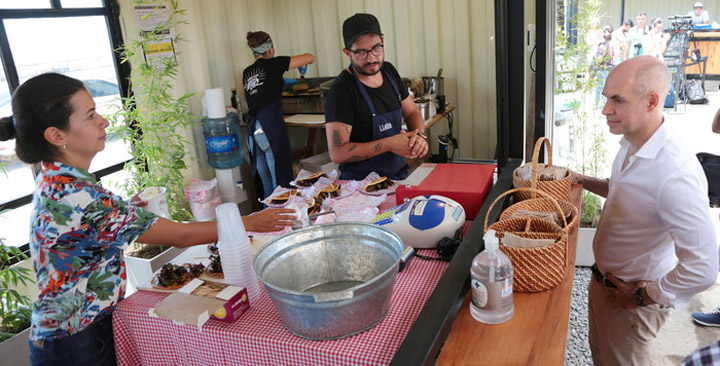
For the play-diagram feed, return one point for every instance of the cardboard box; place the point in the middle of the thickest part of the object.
(198, 301)
(467, 184)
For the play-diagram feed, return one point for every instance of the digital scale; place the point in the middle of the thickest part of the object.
(423, 221)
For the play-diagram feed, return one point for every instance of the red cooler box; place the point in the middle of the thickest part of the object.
(468, 184)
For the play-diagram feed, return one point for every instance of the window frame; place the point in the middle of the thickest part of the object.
(110, 10)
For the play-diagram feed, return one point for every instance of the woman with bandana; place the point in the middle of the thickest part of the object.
(267, 137)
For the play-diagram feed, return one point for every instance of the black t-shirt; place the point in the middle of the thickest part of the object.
(263, 81)
(344, 102)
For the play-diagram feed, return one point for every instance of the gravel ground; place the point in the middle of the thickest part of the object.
(577, 349)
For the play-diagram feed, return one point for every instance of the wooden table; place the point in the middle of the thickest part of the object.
(536, 334)
(709, 45)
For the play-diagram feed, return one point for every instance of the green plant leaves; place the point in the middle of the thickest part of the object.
(153, 118)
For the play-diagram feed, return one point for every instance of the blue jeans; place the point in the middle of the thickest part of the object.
(92, 346)
(265, 161)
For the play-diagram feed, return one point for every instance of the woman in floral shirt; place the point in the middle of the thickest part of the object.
(79, 229)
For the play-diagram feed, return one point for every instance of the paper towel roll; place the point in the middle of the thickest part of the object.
(215, 102)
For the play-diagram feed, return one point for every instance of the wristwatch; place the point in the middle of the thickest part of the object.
(638, 299)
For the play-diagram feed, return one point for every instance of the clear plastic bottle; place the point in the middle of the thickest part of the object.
(222, 141)
(491, 284)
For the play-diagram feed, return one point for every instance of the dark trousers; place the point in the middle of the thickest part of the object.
(93, 345)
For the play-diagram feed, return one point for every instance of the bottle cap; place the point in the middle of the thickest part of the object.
(491, 241)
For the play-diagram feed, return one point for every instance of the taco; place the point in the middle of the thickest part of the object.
(378, 184)
(310, 180)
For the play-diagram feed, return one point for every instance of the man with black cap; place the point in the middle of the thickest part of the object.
(365, 106)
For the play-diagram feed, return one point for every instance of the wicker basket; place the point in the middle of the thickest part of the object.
(534, 269)
(558, 189)
(544, 205)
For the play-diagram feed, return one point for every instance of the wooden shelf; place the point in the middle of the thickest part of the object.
(536, 334)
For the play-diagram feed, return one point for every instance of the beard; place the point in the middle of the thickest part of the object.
(360, 69)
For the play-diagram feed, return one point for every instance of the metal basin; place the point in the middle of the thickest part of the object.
(333, 280)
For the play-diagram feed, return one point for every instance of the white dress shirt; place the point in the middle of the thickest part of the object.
(704, 17)
(656, 224)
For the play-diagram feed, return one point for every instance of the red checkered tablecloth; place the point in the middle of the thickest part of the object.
(259, 337)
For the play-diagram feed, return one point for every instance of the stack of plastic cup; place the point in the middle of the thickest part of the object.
(235, 250)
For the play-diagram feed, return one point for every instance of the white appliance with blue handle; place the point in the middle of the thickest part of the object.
(424, 220)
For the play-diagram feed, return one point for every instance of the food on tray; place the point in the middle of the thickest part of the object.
(378, 184)
(332, 190)
(310, 180)
(283, 197)
(314, 206)
(173, 276)
(213, 248)
(214, 269)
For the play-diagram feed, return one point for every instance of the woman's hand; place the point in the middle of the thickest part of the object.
(269, 219)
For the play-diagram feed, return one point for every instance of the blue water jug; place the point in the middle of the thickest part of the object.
(222, 141)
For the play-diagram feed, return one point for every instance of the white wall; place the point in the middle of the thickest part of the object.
(420, 38)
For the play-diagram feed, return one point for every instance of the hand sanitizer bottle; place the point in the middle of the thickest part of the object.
(491, 284)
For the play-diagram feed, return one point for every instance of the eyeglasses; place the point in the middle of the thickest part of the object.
(362, 54)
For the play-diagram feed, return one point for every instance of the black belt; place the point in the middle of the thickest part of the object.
(598, 276)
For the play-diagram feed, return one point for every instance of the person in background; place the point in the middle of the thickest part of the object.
(602, 62)
(79, 229)
(621, 42)
(698, 15)
(656, 41)
(593, 36)
(365, 107)
(636, 35)
(710, 319)
(655, 243)
(267, 137)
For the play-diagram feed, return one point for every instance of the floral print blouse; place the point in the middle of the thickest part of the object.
(78, 233)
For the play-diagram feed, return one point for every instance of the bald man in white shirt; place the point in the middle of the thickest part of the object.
(655, 243)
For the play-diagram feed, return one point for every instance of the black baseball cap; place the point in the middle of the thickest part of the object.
(357, 25)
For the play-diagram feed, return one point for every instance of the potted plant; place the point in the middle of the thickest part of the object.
(152, 119)
(576, 83)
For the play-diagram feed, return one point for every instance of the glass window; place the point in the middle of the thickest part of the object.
(16, 177)
(81, 3)
(113, 182)
(15, 225)
(24, 4)
(77, 46)
(68, 46)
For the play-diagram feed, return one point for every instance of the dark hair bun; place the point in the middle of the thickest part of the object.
(7, 129)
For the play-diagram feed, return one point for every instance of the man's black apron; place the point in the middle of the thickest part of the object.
(384, 125)
(272, 122)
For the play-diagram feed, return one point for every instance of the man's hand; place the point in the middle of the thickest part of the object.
(269, 219)
(417, 142)
(622, 296)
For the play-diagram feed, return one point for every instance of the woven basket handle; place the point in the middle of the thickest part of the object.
(536, 156)
(533, 190)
